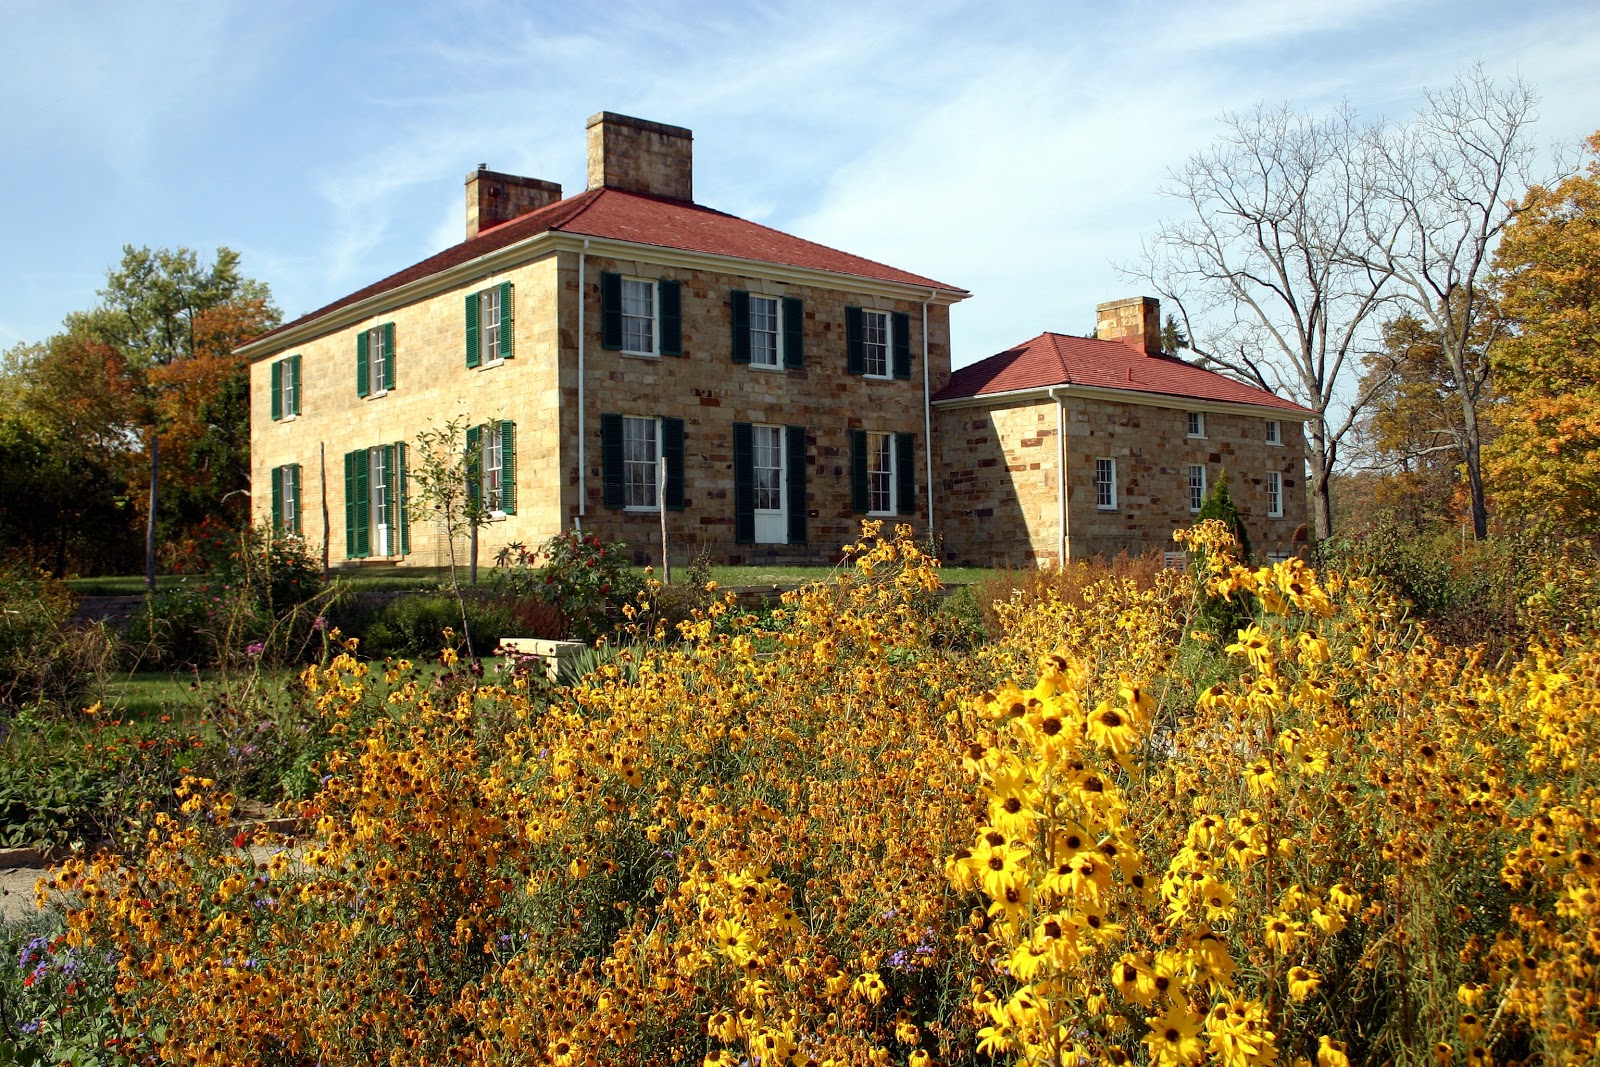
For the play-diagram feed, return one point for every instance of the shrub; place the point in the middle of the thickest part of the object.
(587, 579)
(414, 625)
(1066, 585)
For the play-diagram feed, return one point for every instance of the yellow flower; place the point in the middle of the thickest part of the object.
(1303, 982)
(1254, 645)
(1282, 932)
(1173, 1039)
(1112, 729)
(1331, 1053)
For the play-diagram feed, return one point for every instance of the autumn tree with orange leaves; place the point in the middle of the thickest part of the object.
(1546, 461)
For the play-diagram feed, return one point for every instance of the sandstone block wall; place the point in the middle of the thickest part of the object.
(997, 478)
(433, 384)
(709, 392)
(538, 390)
(1153, 453)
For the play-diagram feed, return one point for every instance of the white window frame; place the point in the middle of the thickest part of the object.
(1274, 432)
(377, 356)
(639, 494)
(1274, 495)
(652, 319)
(881, 447)
(489, 328)
(288, 502)
(766, 442)
(288, 400)
(383, 537)
(867, 346)
(776, 332)
(1196, 502)
(1105, 483)
(491, 469)
(1197, 425)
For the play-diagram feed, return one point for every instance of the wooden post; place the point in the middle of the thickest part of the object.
(150, 526)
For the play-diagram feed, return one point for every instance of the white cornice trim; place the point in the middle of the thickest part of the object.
(1126, 396)
(549, 241)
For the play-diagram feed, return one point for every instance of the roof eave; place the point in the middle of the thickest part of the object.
(548, 241)
(1126, 396)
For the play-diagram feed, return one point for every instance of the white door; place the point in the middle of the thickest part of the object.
(772, 517)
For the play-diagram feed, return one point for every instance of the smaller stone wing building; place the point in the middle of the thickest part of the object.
(1064, 447)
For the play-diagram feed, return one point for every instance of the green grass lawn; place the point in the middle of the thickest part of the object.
(416, 578)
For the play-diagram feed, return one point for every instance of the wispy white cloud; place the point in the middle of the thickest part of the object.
(1011, 148)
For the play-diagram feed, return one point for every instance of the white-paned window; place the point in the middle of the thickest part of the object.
(377, 358)
(1274, 432)
(639, 317)
(764, 332)
(1274, 495)
(1105, 484)
(489, 326)
(491, 466)
(1197, 487)
(290, 507)
(1197, 424)
(875, 343)
(639, 452)
(284, 368)
(378, 501)
(767, 449)
(880, 473)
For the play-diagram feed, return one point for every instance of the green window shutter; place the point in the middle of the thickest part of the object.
(672, 452)
(671, 297)
(473, 358)
(388, 355)
(350, 504)
(741, 326)
(294, 380)
(744, 484)
(905, 473)
(277, 498)
(277, 390)
(363, 387)
(474, 464)
(858, 472)
(508, 467)
(855, 333)
(402, 497)
(612, 492)
(363, 503)
(795, 476)
(611, 311)
(299, 503)
(794, 331)
(902, 344)
(505, 322)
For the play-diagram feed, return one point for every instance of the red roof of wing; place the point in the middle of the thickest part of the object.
(1057, 359)
(646, 220)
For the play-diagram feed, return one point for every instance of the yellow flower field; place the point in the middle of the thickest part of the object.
(825, 836)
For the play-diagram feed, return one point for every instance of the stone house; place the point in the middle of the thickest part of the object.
(1064, 447)
(592, 340)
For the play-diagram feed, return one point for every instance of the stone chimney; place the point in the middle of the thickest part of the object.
(641, 157)
(493, 198)
(1135, 321)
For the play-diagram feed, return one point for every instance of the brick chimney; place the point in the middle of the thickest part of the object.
(493, 198)
(1135, 321)
(640, 156)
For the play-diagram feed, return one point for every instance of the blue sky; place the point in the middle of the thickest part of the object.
(1014, 149)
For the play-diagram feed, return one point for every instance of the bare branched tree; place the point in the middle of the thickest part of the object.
(1444, 188)
(1267, 266)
